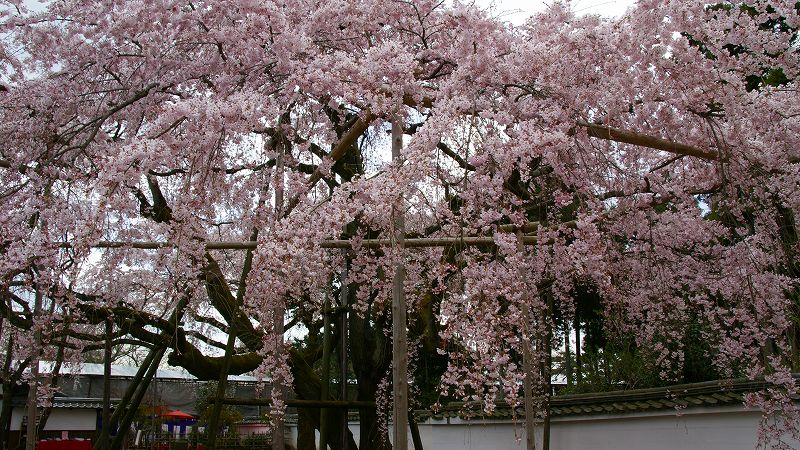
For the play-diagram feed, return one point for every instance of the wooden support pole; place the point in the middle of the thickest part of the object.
(568, 353)
(399, 337)
(8, 386)
(279, 386)
(617, 135)
(459, 241)
(133, 397)
(547, 371)
(527, 366)
(415, 436)
(222, 384)
(32, 410)
(105, 431)
(578, 361)
(344, 301)
(131, 408)
(213, 426)
(126, 398)
(466, 241)
(326, 371)
(279, 311)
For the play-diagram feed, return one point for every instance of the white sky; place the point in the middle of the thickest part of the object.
(516, 11)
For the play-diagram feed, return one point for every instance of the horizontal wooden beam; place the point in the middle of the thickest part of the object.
(466, 241)
(644, 140)
(299, 403)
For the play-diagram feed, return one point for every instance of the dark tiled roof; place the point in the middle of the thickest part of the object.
(707, 394)
(74, 402)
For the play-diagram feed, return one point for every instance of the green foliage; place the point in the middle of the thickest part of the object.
(767, 76)
(611, 359)
(614, 367)
(206, 395)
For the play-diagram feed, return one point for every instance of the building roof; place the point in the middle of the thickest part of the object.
(706, 394)
(81, 403)
(73, 402)
(93, 369)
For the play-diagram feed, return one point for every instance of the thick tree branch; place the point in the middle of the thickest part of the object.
(455, 156)
(339, 150)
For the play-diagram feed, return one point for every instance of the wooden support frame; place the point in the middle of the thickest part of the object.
(105, 432)
(399, 332)
(222, 384)
(527, 365)
(343, 304)
(136, 399)
(465, 241)
(347, 404)
(32, 410)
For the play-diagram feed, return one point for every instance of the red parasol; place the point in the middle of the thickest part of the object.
(177, 415)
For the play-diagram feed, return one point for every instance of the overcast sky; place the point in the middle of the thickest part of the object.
(516, 11)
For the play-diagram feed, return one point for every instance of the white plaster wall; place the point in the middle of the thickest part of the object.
(710, 431)
(728, 428)
(61, 419)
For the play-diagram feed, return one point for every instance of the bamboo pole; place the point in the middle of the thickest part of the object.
(527, 366)
(468, 241)
(399, 337)
(278, 427)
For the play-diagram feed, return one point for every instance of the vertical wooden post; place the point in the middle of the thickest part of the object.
(278, 428)
(415, 437)
(32, 410)
(568, 353)
(527, 366)
(343, 303)
(547, 370)
(137, 397)
(105, 431)
(133, 397)
(578, 362)
(222, 383)
(132, 387)
(278, 312)
(213, 423)
(326, 371)
(8, 391)
(399, 337)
